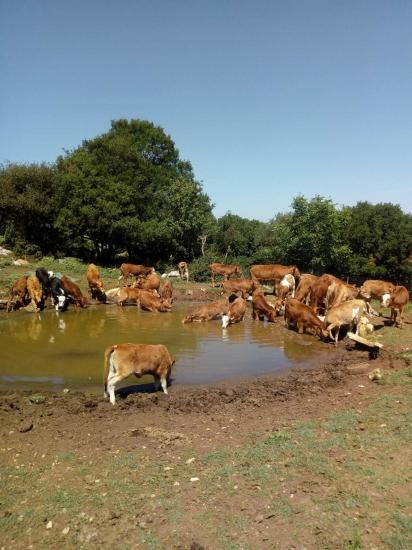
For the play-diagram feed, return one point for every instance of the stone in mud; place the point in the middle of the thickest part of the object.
(37, 399)
(25, 426)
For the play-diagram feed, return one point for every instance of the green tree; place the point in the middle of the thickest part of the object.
(128, 190)
(380, 237)
(28, 207)
(237, 236)
(313, 236)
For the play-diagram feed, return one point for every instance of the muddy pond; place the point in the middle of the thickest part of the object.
(50, 351)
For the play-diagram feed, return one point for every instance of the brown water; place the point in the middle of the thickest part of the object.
(54, 351)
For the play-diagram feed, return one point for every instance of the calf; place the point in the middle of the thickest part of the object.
(122, 360)
(349, 313)
(303, 317)
(261, 308)
(149, 302)
(398, 300)
(223, 269)
(18, 294)
(236, 312)
(183, 271)
(245, 286)
(58, 293)
(151, 282)
(96, 286)
(135, 270)
(207, 312)
(74, 292)
(35, 291)
(127, 294)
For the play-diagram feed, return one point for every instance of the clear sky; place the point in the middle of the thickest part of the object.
(267, 99)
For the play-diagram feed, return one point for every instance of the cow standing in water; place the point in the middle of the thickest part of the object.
(95, 283)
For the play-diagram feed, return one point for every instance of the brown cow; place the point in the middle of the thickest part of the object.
(273, 272)
(207, 312)
(261, 308)
(73, 292)
(121, 360)
(303, 317)
(151, 282)
(304, 288)
(95, 283)
(245, 286)
(226, 270)
(183, 270)
(338, 293)
(18, 294)
(149, 302)
(236, 312)
(398, 300)
(134, 270)
(319, 290)
(349, 313)
(374, 288)
(126, 294)
(285, 287)
(166, 292)
(35, 291)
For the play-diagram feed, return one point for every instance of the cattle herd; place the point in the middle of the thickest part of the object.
(321, 305)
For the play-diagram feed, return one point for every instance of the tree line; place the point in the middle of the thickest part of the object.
(127, 194)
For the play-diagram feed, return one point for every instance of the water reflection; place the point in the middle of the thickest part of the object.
(67, 350)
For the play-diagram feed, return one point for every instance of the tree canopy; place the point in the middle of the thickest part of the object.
(128, 192)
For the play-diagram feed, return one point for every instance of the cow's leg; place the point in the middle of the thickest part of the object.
(112, 380)
(300, 327)
(156, 382)
(337, 336)
(163, 381)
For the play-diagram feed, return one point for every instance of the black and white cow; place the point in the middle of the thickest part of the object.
(59, 296)
(44, 278)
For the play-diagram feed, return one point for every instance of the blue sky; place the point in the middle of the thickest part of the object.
(267, 99)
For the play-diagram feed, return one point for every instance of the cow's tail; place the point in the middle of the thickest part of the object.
(107, 355)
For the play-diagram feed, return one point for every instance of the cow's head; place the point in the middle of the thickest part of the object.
(365, 295)
(255, 285)
(386, 298)
(61, 302)
(295, 272)
(225, 321)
